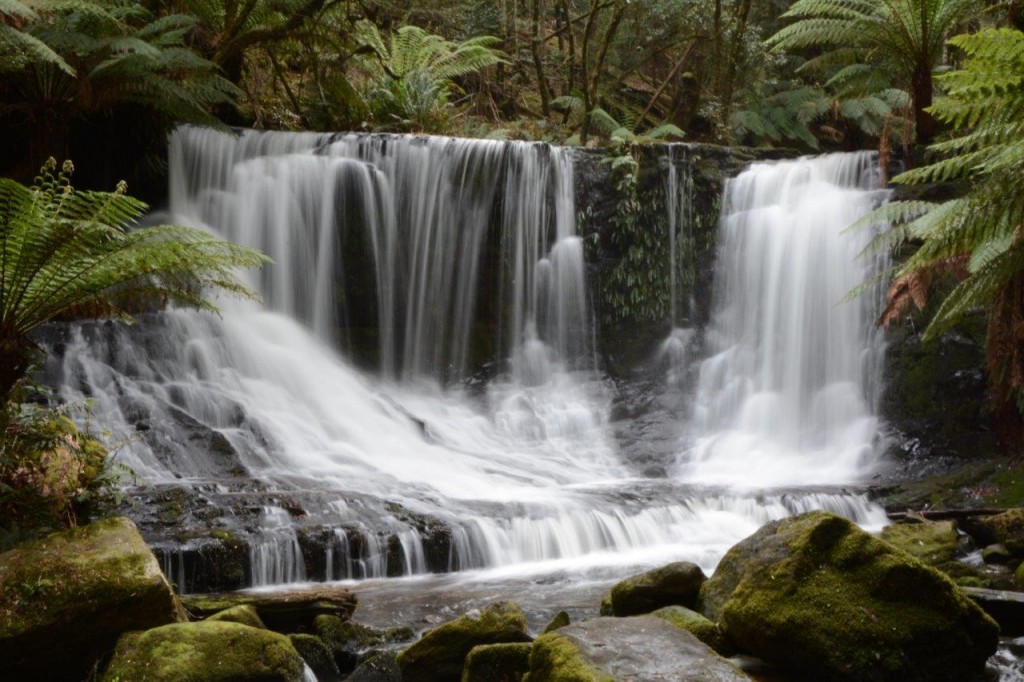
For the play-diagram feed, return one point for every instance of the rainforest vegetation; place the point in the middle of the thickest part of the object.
(937, 85)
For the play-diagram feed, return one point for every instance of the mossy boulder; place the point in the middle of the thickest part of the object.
(316, 655)
(816, 594)
(380, 667)
(1006, 528)
(996, 554)
(497, 663)
(243, 613)
(349, 641)
(66, 599)
(293, 611)
(675, 584)
(633, 648)
(703, 629)
(205, 652)
(440, 654)
(933, 542)
(560, 620)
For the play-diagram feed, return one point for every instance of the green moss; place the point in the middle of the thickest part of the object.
(244, 614)
(316, 654)
(205, 652)
(560, 620)
(677, 583)
(933, 542)
(606, 606)
(347, 635)
(497, 663)
(441, 652)
(555, 658)
(696, 624)
(838, 601)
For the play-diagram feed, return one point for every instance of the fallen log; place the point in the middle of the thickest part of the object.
(944, 514)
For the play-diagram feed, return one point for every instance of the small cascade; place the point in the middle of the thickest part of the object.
(788, 394)
(274, 555)
(676, 350)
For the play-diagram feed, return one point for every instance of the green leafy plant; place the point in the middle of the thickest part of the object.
(872, 45)
(70, 253)
(979, 236)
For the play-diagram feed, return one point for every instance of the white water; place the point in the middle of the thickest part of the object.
(790, 389)
(523, 473)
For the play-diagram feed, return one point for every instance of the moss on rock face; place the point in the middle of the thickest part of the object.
(560, 620)
(440, 654)
(696, 624)
(1006, 529)
(933, 542)
(243, 613)
(557, 659)
(205, 652)
(817, 594)
(678, 583)
(349, 641)
(497, 663)
(316, 655)
(65, 599)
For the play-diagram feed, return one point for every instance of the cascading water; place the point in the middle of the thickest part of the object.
(409, 255)
(789, 392)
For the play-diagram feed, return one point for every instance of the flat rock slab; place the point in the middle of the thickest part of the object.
(1006, 608)
(628, 650)
(290, 611)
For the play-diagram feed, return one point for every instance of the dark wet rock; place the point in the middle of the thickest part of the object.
(497, 663)
(291, 611)
(635, 648)
(933, 542)
(208, 651)
(66, 599)
(243, 613)
(1005, 607)
(560, 620)
(1006, 529)
(675, 584)
(996, 554)
(816, 594)
(440, 654)
(382, 667)
(316, 655)
(700, 627)
(350, 642)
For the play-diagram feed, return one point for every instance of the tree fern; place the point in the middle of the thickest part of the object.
(65, 252)
(984, 227)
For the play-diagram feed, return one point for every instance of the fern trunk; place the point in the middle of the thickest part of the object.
(15, 359)
(921, 95)
(1005, 351)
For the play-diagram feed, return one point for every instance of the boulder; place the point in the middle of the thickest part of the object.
(208, 651)
(637, 648)
(243, 613)
(560, 620)
(497, 663)
(66, 599)
(440, 654)
(381, 667)
(676, 584)
(933, 542)
(816, 594)
(996, 554)
(1006, 608)
(696, 624)
(292, 611)
(349, 642)
(1006, 528)
(316, 655)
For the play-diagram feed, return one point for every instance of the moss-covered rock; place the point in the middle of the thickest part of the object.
(316, 655)
(816, 594)
(606, 606)
(933, 542)
(381, 667)
(243, 613)
(205, 652)
(293, 611)
(66, 599)
(497, 663)
(560, 620)
(703, 629)
(637, 648)
(1006, 528)
(440, 654)
(996, 554)
(675, 584)
(349, 642)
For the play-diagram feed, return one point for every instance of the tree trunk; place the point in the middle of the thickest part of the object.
(538, 62)
(15, 359)
(921, 98)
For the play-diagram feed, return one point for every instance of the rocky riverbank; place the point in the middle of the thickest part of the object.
(808, 597)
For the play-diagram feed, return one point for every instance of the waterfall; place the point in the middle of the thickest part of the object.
(789, 392)
(418, 391)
